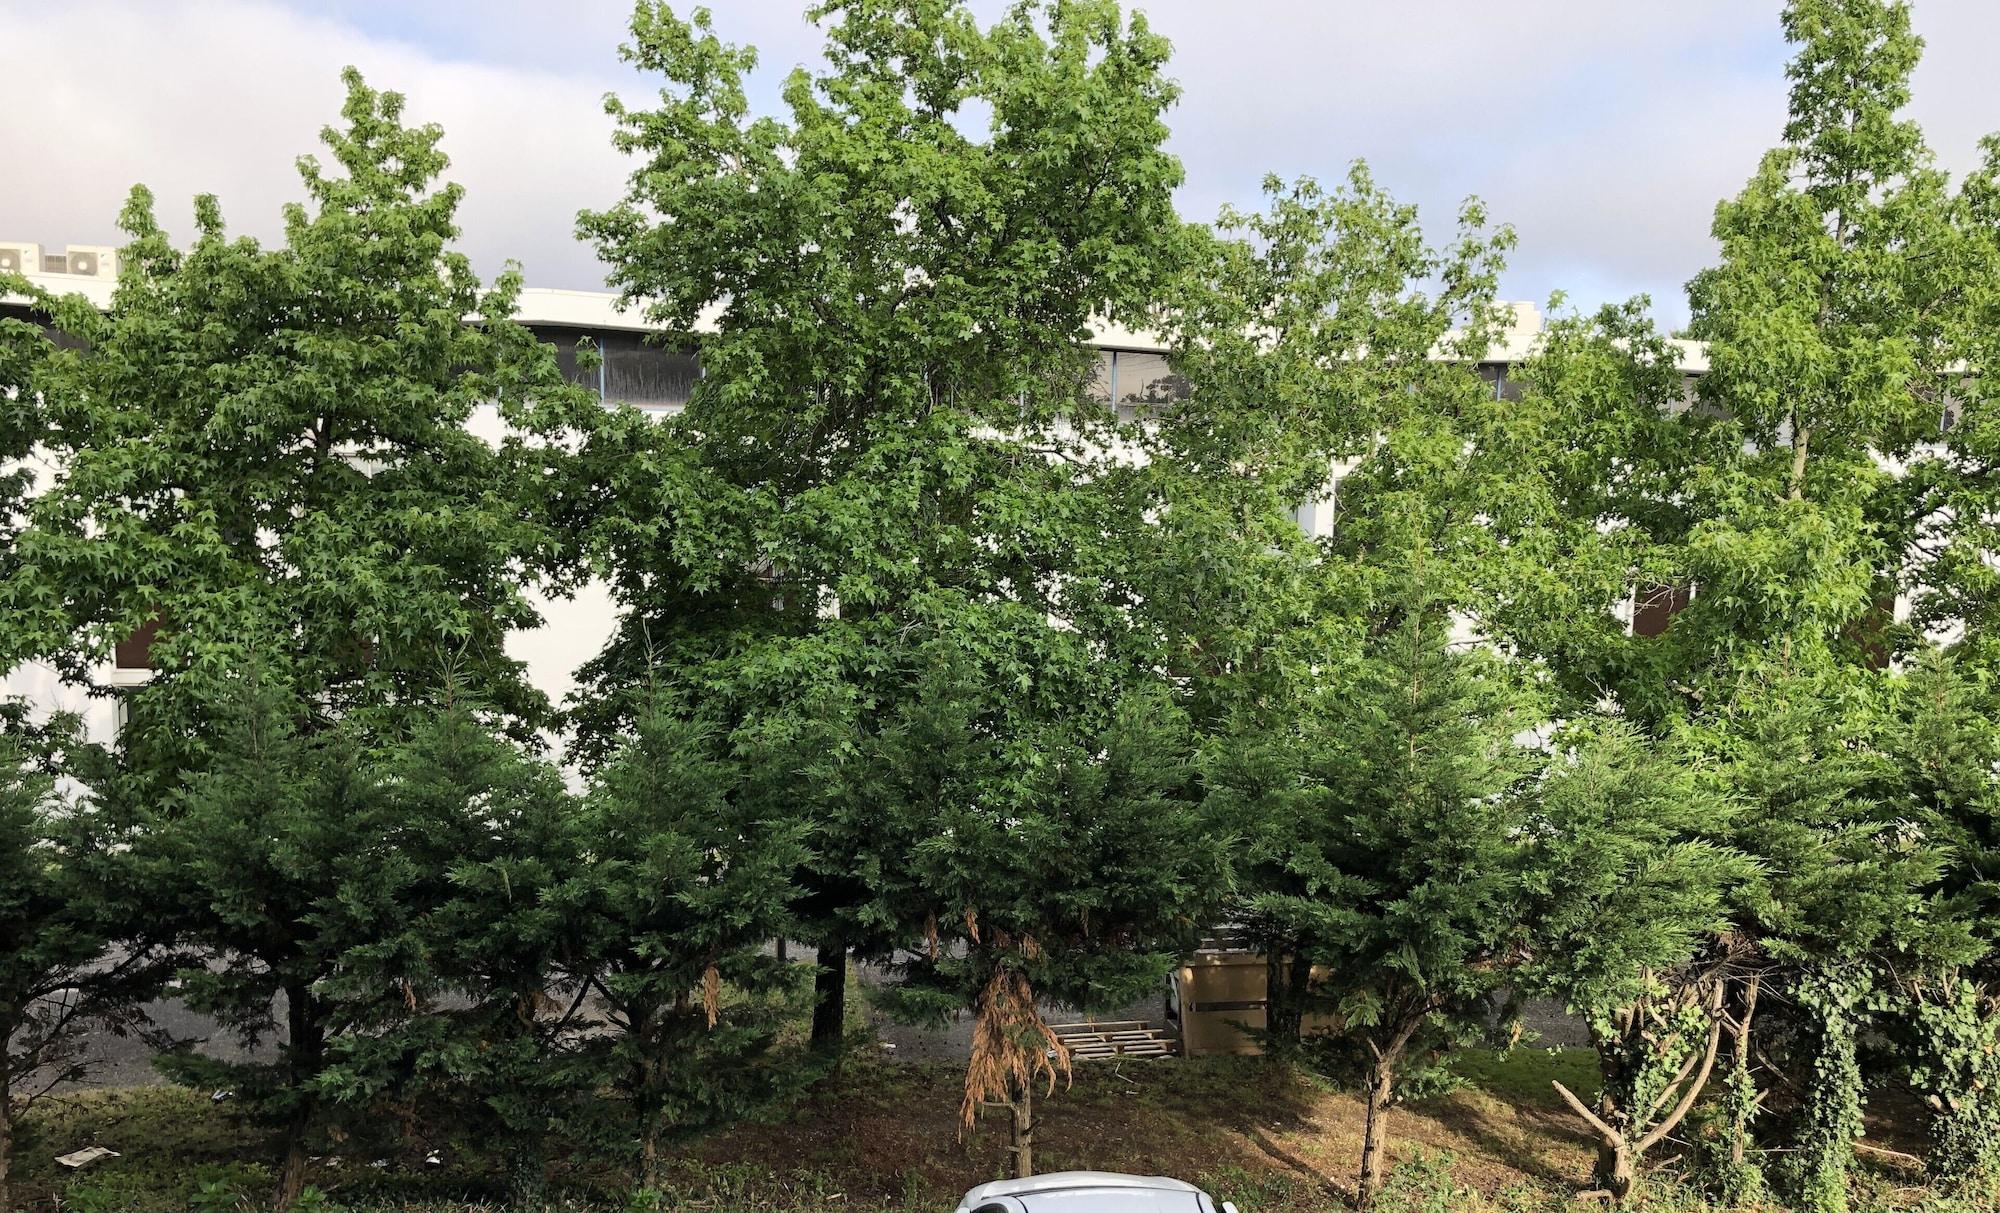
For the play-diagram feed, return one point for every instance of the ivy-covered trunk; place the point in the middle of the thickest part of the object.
(1830, 1121)
(1617, 1170)
(1743, 1180)
(1653, 1063)
(1958, 1076)
(527, 1172)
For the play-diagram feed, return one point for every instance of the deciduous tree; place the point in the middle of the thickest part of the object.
(892, 431)
(254, 442)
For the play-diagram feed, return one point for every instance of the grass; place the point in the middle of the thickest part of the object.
(883, 1137)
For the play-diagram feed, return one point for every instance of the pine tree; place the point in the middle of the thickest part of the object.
(692, 852)
(1633, 888)
(481, 986)
(1053, 861)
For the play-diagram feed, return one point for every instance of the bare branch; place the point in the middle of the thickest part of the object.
(1611, 1136)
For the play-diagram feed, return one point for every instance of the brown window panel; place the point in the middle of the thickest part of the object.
(135, 652)
(1655, 608)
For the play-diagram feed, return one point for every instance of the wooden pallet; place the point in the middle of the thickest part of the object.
(1102, 1041)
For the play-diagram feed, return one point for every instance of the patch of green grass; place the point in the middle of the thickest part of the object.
(1524, 1076)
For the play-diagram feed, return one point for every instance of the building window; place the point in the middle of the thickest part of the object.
(1655, 607)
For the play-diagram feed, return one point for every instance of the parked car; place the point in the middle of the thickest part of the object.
(1091, 1192)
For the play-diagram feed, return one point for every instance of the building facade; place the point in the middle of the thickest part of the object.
(1132, 374)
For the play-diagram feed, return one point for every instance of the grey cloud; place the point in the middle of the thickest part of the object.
(1604, 131)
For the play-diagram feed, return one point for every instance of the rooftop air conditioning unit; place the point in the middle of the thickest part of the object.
(20, 258)
(93, 260)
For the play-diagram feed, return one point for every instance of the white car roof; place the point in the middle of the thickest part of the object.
(1089, 1192)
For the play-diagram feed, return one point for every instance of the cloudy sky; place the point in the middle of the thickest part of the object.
(1604, 130)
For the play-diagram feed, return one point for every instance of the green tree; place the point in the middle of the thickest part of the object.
(480, 989)
(1774, 512)
(1300, 335)
(1848, 889)
(263, 460)
(891, 435)
(1054, 859)
(271, 443)
(1948, 746)
(278, 858)
(61, 980)
(1633, 889)
(692, 851)
(1827, 353)
(23, 426)
(1405, 881)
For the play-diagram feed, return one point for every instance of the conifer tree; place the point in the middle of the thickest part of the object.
(1948, 747)
(1847, 892)
(692, 851)
(1053, 861)
(283, 854)
(1407, 883)
(481, 985)
(1633, 888)
(61, 880)
(264, 470)
(1304, 338)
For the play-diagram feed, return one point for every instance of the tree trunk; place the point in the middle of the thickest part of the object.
(1739, 1120)
(649, 1155)
(1621, 1177)
(829, 1021)
(1022, 1110)
(1282, 1022)
(304, 1048)
(1616, 1168)
(646, 1083)
(1375, 1138)
(6, 1139)
(527, 1173)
